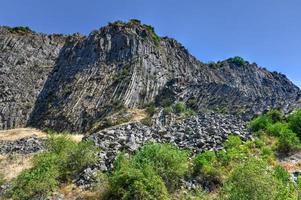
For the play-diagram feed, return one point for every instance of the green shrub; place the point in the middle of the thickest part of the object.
(59, 144)
(260, 123)
(151, 109)
(38, 181)
(205, 167)
(76, 158)
(232, 142)
(294, 121)
(251, 180)
(168, 161)
(179, 107)
(2, 179)
(168, 110)
(281, 174)
(276, 129)
(275, 115)
(288, 142)
(131, 183)
(204, 159)
(62, 160)
(237, 60)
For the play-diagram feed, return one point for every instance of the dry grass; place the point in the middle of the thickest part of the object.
(73, 192)
(138, 114)
(15, 134)
(12, 165)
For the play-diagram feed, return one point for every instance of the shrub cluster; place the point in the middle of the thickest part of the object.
(62, 160)
(180, 109)
(150, 173)
(237, 60)
(286, 130)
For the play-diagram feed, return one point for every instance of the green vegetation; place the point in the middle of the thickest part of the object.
(62, 160)
(168, 161)
(133, 183)
(253, 180)
(2, 180)
(150, 173)
(294, 121)
(243, 170)
(180, 109)
(285, 130)
(20, 29)
(135, 22)
(237, 60)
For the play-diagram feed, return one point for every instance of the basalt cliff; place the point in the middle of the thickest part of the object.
(72, 82)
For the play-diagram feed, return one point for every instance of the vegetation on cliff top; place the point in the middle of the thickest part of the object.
(135, 22)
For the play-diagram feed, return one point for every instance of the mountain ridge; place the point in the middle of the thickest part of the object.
(77, 80)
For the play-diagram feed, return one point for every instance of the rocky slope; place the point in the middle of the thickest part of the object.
(73, 82)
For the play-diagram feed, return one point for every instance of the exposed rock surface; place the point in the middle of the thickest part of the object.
(25, 63)
(71, 83)
(198, 133)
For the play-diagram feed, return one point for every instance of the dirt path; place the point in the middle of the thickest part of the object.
(15, 134)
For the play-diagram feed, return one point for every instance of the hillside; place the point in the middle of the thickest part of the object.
(73, 82)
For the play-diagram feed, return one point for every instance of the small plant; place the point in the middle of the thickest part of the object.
(150, 109)
(251, 180)
(2, 179)
(20, 29)
(38, 181)
(237, 60)
(168, 161)
(131, 183)
(288, 142)
(179, 107)
(294, 121)
(260, 123)
(62, 160)
(276, 129)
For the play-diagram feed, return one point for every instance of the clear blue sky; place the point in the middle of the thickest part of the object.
(267, 32)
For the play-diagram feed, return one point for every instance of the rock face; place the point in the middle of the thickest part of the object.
(25, 63)
(72, 82)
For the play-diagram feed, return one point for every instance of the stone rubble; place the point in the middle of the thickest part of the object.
(25, 145)
(197, 134)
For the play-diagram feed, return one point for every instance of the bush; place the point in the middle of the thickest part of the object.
(62, 160)
(237, 60)
(179, 107)
(2, 180)
(275, 115)
(168, 161)
(132, 183)
(204, 166)
(232, 142)
(294, 121)
(288, 142)
(260, 123)
(75, 159)
(276, 129)
(204, 159)
(251, 180)
(38, 181)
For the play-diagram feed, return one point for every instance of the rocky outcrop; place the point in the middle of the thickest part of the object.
(197, 134)
(25, 145)
(25, 63)
(74, 82)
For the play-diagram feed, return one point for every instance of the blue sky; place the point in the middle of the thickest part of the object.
(267, 32)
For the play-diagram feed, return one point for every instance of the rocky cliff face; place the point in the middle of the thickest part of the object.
(26, 59)
(71, 83)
